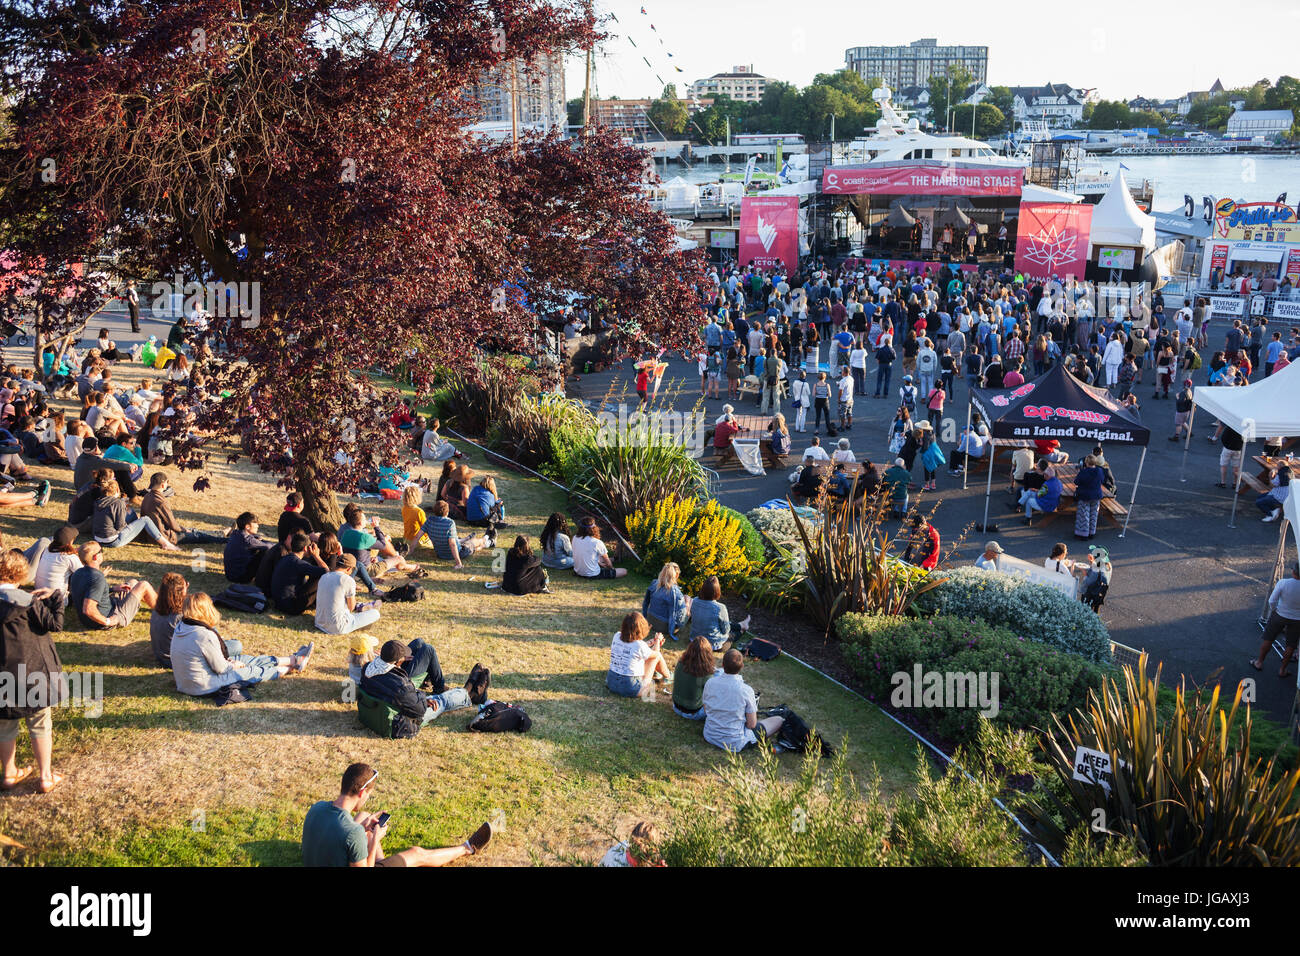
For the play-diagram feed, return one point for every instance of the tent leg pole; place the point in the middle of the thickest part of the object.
(1133, 497)
(1187, 443)
(988, 490)
(1277, 569)
(966, 463)
(1236, 487)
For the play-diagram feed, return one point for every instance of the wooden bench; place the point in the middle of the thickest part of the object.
(1113, 511)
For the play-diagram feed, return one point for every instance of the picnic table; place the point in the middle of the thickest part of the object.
(1111, 509)
(1267, 465)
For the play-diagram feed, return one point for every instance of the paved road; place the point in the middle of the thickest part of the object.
(1187, 588)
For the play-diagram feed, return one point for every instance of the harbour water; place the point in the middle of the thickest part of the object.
(1253, 178)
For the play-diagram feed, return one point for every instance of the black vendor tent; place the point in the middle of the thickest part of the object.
(1058, 405)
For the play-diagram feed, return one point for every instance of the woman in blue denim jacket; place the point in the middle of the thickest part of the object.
(709, 615)
(664, 606)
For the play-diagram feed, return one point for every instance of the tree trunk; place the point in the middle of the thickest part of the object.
(319, 504)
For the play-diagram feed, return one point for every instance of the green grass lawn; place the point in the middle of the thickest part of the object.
(162, 779)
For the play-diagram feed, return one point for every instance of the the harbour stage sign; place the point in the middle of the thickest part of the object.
(922, 180)
(769, 231)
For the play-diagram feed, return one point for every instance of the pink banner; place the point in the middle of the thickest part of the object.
(769, 231)
(914, 179)
(1052, 239)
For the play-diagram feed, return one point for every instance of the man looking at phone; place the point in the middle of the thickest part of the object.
(296, 576)
(338, 833)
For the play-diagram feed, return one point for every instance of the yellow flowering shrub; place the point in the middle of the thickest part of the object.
(700, 537)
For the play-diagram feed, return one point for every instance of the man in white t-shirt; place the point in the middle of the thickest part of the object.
(590, 556)
(336, 601)
(731, 708)
(815, 451)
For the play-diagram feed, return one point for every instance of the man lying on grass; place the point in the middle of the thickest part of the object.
(388, 678)
(337, 833)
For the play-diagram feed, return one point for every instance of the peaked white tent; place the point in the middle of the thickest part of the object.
(1117, 220)
(678, 192)
(1269, 408)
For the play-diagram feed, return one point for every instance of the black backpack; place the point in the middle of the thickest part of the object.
(405, 592)
(795, 735)
(242, 597)
(499, 717)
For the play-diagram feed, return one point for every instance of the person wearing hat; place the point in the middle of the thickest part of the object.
(337, 611)
(989, 560)
(362, 648)
(338, 833)
(1182, 411)
(57, 561)
(387, 678)
(907, 394)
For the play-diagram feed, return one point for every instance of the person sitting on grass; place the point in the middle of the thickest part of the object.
(441, 530)
(338, 833)
(361, 651)
(27, 652)
(639, 849)
(731, 708)
(97, 605)
(388, 679)
(154, 506)
(22, 499)
(359, 541)
(694, 668)
(244, 549)
(337, 611)
(484, 509)
(557, 546)
(297, 575)
(292, 519)
(127, 450)
(413, 519)
(635, 664)
(58, 561)
(456, 491)
(203, 663)
(590, 556)
(116, 526)
(524, 573)
(166, 614)
(709, 617)
(433, 447)
(664, 606)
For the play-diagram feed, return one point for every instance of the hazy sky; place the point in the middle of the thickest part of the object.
(1156, 50)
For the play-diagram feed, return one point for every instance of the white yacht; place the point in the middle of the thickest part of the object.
(898, 138)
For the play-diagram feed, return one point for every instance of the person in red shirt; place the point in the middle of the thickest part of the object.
(725, 431)
(1050, 449)
(643, 385)
(923, 549)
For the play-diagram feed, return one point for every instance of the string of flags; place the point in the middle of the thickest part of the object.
(663, 47)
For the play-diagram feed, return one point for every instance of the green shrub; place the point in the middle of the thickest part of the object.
(703, 538)
(750, 539)
(1185, 792)
(820, 818)
(1035, 611)
(626, 471)
(1034, 681)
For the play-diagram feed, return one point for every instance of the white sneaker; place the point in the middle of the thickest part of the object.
(1274, 516)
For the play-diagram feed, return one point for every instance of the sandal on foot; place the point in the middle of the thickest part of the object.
(8, 783)
(1255, 664)
(57, 778)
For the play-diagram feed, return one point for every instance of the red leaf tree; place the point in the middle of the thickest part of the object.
(319, 151)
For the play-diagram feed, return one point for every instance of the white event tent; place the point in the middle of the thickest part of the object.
(1117, 220)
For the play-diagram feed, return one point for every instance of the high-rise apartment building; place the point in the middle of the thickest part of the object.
(539, 92)
(916, 63)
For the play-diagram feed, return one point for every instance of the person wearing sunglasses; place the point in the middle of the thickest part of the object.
(340, 833)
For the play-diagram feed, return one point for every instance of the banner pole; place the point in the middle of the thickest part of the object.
(1131, 498)
(1236, 488)
(1187, 443)
(965, 471)
(988, 490)
(1278, 561)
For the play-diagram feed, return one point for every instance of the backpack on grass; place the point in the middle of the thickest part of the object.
(499, 717)
(795, 735)
(242, 597)
(405, 592)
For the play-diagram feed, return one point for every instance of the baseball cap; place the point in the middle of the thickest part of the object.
(360, 642)
(394, 652)
(1187, 381)
(65, 536)
(994, 547)
(900, 462)
(1100, 553)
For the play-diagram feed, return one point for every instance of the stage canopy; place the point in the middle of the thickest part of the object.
(1117, 220)
(1057, 405)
